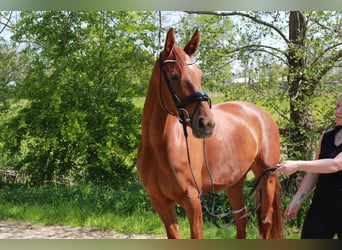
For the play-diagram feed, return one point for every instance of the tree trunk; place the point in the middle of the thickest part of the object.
(300, 90)
(300, 93)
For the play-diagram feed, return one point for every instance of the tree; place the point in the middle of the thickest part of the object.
(9, 70)
(9, 73)
(82, 71)
(310, 50)
(314, 49)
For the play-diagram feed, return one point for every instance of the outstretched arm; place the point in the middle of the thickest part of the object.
(321, 166)
(317, 166)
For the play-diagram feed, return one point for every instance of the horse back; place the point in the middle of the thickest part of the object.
(251, 119)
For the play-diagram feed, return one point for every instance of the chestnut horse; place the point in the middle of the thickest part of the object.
(239, 137)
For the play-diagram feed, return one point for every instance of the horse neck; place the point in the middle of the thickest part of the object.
(155, 116)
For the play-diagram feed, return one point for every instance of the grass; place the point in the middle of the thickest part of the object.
(125, 210)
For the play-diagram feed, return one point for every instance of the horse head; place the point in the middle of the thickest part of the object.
(183, 79)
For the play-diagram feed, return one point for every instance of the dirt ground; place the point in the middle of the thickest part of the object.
(16, 230)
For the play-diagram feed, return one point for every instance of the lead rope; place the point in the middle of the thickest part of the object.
(217, 217)
(189, 160)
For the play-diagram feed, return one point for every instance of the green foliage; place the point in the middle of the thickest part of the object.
(9, 75)
(82, 71)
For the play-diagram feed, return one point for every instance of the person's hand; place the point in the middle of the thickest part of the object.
(291, 211)
(287, 167)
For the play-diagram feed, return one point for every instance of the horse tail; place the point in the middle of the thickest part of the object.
(277, 231)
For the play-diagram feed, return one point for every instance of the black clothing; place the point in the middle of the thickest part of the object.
(329, 184)
(324, 218)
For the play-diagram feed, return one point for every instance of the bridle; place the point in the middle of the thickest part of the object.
(184, 117)
(183, 114)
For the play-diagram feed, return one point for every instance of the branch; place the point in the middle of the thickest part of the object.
(332, 47)
(329, 66)
(243, 14)
(272, 104)
(261, 48)
(7, 23)
(325, 27)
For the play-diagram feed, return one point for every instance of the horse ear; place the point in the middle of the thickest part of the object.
(170, 41)
(193, 44)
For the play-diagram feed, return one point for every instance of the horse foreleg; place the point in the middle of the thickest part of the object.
(167, 213)
(193, 208)
(236, 199)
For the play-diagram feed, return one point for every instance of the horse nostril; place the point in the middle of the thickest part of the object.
(201, 123)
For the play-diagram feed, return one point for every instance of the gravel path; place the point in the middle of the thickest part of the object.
(18, 230)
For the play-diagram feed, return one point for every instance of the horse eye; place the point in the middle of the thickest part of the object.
(174, 77)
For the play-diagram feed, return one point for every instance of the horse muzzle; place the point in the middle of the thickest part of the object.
(202, 127)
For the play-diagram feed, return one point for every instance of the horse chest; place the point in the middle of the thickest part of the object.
(170, 167)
